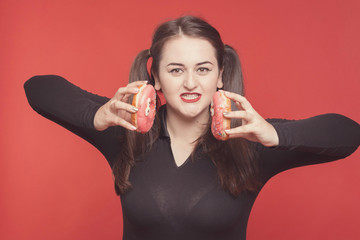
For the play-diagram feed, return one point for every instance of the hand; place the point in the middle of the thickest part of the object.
(254, 127)
(117, 112)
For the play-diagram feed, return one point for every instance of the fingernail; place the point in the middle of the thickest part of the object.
(227, 131)
(134, 109)
(133, 127)
(225, 113)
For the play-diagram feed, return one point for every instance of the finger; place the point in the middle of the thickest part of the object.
(238, 105)
(123, 123)
(126, 96)
(238, 132)
(121, 92)
(244, 115)
(119, 105)
(238, 99)
(135, 86)
(243, 129)
(126, 92)
(137, 83)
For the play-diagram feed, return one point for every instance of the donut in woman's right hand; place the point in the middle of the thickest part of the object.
(145, 102)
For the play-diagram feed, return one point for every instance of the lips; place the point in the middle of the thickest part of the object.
(190, 97)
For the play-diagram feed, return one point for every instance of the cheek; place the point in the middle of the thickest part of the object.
(169, 84)
(210, 87)
(210, 83)
(168, 88)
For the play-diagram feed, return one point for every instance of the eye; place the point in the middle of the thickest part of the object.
(176, 71)
(203, 70)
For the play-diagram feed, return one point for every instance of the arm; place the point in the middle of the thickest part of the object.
(327, 134)
(71, 107)
(59, 100)
(285, 144)
(314, 140)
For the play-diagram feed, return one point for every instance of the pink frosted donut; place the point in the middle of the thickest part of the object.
(145, 101)
(220, 104)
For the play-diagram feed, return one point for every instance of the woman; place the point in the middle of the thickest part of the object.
(177, 181)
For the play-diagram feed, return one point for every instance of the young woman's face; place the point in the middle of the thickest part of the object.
(188, 76)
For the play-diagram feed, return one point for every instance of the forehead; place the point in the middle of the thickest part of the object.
(187, 50)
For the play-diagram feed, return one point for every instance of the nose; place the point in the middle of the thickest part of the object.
(190, 82)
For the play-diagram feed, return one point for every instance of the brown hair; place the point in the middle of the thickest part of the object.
(234, 159)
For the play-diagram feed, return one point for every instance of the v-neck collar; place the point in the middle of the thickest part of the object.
(165, 134)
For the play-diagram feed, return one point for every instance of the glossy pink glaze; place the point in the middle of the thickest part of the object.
(219, 123)
(145, 121)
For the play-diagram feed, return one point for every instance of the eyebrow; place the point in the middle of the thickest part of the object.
(180, 64)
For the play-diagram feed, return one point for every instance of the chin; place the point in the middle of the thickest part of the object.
(195, 113)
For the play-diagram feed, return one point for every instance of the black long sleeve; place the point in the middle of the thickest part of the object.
(167, 201)
(314, 140)
(60, 101)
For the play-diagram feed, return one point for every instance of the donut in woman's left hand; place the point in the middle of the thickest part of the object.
(220, 104)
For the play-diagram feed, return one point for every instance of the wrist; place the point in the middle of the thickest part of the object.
(97, 120)
(273, 140)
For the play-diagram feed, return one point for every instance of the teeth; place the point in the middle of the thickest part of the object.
(190, 96)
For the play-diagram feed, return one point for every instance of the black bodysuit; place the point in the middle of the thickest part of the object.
(187, 202)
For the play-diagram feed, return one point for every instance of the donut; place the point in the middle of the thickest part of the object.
(220, 104)
(145, 102)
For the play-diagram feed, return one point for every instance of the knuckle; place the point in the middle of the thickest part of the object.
(119, 105)
(112, 103)
(120, 90)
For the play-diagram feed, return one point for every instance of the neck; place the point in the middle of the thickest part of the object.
(187, 130)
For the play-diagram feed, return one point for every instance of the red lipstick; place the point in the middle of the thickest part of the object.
(190, 97)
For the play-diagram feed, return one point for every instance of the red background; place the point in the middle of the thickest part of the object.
(300, 58)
